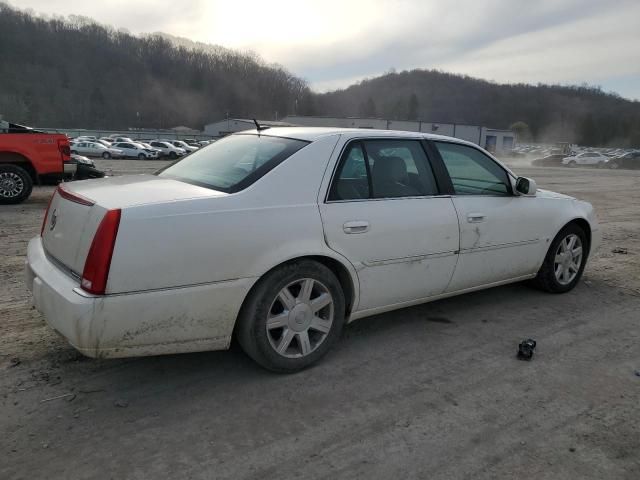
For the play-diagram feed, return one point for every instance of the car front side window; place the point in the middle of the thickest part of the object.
(472, 172)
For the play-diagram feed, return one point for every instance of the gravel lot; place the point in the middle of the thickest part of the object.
(433, 391)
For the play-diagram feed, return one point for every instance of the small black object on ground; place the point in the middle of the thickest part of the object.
(525, 349)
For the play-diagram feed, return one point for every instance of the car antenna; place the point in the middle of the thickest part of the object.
(258, 126)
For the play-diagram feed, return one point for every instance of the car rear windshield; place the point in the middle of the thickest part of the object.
(233, 163)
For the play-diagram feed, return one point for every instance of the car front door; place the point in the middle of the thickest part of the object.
(129, 150)
(81, 148)
(384, 213)
(93, 150)
(500, 233)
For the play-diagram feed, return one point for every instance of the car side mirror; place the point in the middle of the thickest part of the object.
(526, 186)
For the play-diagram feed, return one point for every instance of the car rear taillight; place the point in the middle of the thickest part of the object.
(46, 214)
(65, 149)
(98, 262)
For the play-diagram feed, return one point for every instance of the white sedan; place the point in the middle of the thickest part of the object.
(95, 149)
(586, 158)
(282, 236)
(136, 150)
(165, 149)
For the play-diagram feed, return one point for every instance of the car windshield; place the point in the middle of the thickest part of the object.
(234, 162)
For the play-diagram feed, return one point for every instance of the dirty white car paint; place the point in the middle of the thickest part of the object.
(186, 257)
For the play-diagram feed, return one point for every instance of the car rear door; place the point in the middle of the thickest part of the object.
(384, 212)
(500, 233)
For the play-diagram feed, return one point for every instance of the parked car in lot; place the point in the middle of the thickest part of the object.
(630, 161)
(123, 139)
(180, 144)
(95, 149)
(552, 160)
(149, 147)
(167, 150)
(135, 150)
(81, 168)
(282, 236)
(29, 157)
(586, 158)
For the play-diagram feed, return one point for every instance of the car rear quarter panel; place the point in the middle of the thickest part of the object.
(242, 235)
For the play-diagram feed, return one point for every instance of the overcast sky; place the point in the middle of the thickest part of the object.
(333, 43)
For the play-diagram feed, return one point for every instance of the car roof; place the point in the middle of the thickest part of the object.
(311, 134)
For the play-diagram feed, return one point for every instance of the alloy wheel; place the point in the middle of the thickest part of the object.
(300, 318)
(568, 259)
(11, 185)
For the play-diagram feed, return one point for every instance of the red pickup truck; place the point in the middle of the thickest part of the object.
(29, 157)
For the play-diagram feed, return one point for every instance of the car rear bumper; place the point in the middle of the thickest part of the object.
(186, 319)
(70, 168)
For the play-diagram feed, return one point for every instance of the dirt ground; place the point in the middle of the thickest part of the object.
(433, 391)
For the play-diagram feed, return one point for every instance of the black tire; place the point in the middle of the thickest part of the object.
(18, 176)
(142, 156)
(546, 279)
(74, 152)
(106, 155)
(173, 155)
(572, 163)
(251, 330)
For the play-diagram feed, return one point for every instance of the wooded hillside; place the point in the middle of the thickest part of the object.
(75, 73)
(580, 114)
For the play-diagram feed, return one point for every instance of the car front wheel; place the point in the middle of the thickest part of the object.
(564, 262)
(292, 317)
(106, 155)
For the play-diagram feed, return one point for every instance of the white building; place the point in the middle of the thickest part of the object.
(492, 139)
(232, 125)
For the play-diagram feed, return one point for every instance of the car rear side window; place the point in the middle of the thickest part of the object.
(472, 172)
(383, 169)
(233, 163)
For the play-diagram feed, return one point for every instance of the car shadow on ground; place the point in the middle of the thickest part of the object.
(214, 371)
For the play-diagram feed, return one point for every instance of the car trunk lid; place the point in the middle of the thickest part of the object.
(77, 208)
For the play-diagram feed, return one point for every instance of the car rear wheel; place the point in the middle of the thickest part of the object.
(292, 316)
(15, 184)
(564, 262)
(106, 155)
(572, 163)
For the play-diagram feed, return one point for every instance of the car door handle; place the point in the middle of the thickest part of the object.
(356, 226)
(475, 217)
